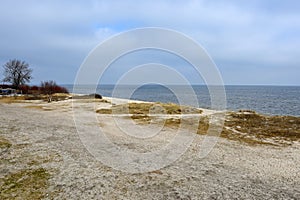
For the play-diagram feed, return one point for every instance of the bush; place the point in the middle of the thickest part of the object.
(50, 87)
(46, 87)
(24, 89)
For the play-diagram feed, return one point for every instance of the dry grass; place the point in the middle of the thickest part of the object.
(253, 128)
(26, 179)
(60, 96)
(173, 123)
(18, 99)
(39, 160)
(106, 111)
(35, 107)
(142, 119)
(25, 184)
(4, 143)
(250, 128)
(203, 125)
(147, 108)
(167, 108)
(244, 126)
(140, 111)
(39, 107)
(11, 99)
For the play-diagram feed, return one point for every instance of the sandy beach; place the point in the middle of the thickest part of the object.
(42, 156)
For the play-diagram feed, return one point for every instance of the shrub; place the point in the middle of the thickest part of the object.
(50, 87)
(24, 88)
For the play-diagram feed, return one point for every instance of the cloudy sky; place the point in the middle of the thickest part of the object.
(251, 42)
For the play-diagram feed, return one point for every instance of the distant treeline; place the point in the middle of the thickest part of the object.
(47, 87)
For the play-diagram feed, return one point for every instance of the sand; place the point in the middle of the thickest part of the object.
(43, 136)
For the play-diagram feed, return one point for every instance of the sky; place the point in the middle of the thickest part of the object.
(251, 42)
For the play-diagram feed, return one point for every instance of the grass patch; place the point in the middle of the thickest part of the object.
(38, 160)
(11, 99)
(173, 122)
(4, 143)
(245, 126)
(142, 119)
(106, 111)
(38, 107)
(167, 108)
(25, 184)
(249, 127)
(140, 111)
(17, 99)
(203, 125)
(253, 128)
(35, 107)
(55, 97)
(147, 108)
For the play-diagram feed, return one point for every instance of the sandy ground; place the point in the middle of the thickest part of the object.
(46, 134)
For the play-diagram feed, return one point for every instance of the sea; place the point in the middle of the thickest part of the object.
(270, 100)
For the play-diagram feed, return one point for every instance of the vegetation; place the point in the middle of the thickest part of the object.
(10, 99)
(17, 73)
(173, 122)
(50, 87)
(4, 143)
(48, 91)
(25, 184)
(141, 112)
(244, 126)
(26, 178)
(253, 128)
(20, 99)
(148, 108)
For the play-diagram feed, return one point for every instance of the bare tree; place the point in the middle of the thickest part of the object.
(50, 87)
(47, 87)
(17, 72)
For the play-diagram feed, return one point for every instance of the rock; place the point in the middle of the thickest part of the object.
(96, 96)
(89, 96)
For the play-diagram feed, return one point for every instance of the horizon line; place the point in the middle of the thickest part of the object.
(187, 85)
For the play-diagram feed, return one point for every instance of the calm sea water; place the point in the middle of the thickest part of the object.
(273, 100)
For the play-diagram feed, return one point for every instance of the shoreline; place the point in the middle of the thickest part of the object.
(120, 100)
(242, 125)
(264, 100)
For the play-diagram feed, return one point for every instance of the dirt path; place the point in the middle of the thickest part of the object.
(43, 136)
